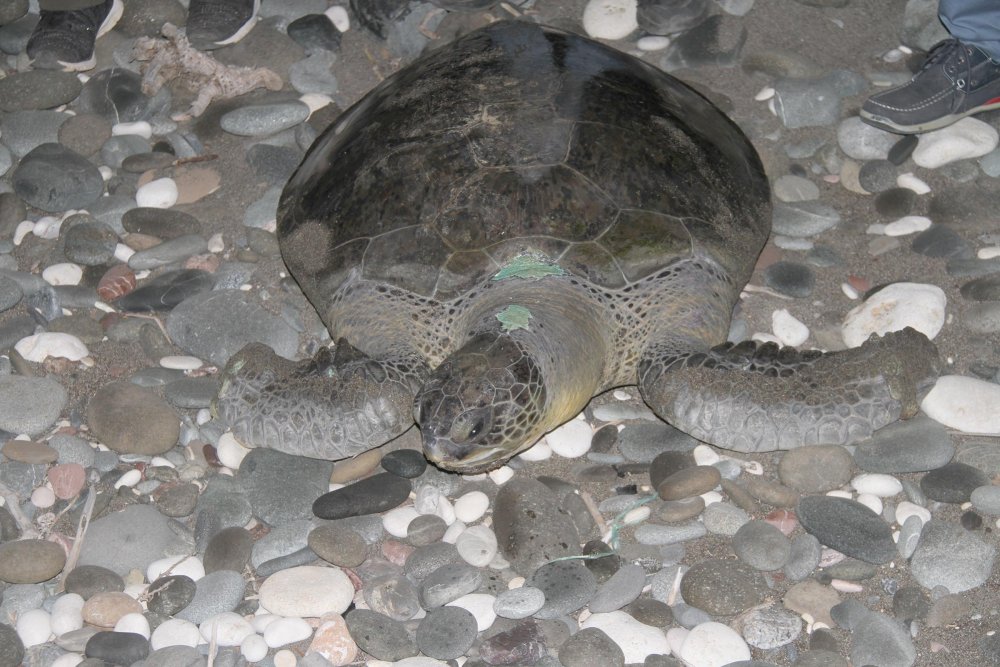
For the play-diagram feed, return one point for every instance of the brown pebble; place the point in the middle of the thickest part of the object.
(116, 282)
(784, 520)
(29, 451)
(740, 497)
(67, 479)
(673, 511)
(105, 609)
(771, 492)
(30, 561)
(138, 241)
(194, 183)
(356, 468)
(813, 598)
(333, 641)
(688, 482)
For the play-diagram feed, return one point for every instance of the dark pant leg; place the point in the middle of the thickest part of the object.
(974, 22)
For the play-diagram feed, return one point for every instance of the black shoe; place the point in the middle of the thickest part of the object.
(65, 40)
(955, 81)
(215, 23)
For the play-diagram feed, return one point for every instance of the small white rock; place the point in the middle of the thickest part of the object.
(896, 307)
(67, 614)
(129, 479)
(789, 330)
(427, 499)
(253, 648)
(189, 566)
(160, 193)
(965, 404)
(43, 497)
(501, 475)
(652, 43)
(610, 19)
(849, 291)
(261, 620)
(705, 455)
(41, 346)
(713, 644)
(911, 182)
(339, 18)
(764, 94)
(906, 509)
(871, 501)
(181, 362)
(676, 637)
(846, 586)
(910, 224)
(539, 452)
(453, 532)
(480, 605)
(445, 510)
(307, 591)
(477, 545)
(34, 627)
(470, 507)
(106, 172)
(140, 128)
(636, 516)
(964, 139)
(877, 484)
(837, 493)
(571, 440)
(621, 395)
(635, 639)
(230, 452)
(315, 101)
(23, 228)
(133, 622)
(225, 629)
(67, 660)
(285, 631)
(49, 226)
(123, 252)
(396, 520)
(64, 273)
(988, 253)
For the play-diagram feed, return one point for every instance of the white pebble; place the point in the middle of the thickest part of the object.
(106, 172)
(652, 43)
(67, 660)
(23, 228)
(445, 510)
(261, 620)
(339, 18)
(225, 629)
(965, 404)
(139, 128)
(307, 591)
(636, 516)
(877, 484)
(764, 94)
(64, 273)
(123, 252)
(285, 631)
(871, 501)
(910, 224)
(452, 533)
(675, 638)
(315, 101)
(849, 291)
(129, 479)
(34, 627)
(789, 330)
(539, 452)
(501, 475)
(837, 493)
(253, 648)
(621, 395)
(161, 193)
(705, 455)
(41, 346)
(906, 509)
(427, 499)
(48, 226)
(988, 253)
(962, 140)
(477, 545)
(181, 362)
(471, 506)
(216, 243)
(711, 497)
(480, 605)
(713, 644)
(571, 440)
(189, 566)
(230, 452)
(635, 639)
(894, 308)
(43, 497)
(133, 622)
(846, 586)
(286, 658)
(610, 19)
(67, 614)
(396, 520)
(911, 182)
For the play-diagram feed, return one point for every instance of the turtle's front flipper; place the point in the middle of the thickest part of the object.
(333, 406)
(751, 397)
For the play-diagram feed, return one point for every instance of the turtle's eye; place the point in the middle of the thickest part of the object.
(470, 424)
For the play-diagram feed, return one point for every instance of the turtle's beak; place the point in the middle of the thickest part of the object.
(462, 458)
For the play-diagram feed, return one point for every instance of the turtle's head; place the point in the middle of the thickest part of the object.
(481, 406)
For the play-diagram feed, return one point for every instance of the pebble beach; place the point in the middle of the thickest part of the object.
(138, 254)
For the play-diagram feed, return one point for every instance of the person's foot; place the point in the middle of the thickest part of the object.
(955, 81)
(65, 40)
(215, 23)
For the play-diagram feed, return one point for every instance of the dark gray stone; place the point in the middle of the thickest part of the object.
(847, 526)
(446, 633)
(567, 586)
(377, 493)
(265, 474)
(531, 528)
(53, 178)
(378, 635)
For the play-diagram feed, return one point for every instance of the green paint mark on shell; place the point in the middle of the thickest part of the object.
(529, 267)
(514, 317)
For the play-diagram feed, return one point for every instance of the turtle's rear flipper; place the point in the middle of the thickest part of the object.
(751, 397)
(333, 406)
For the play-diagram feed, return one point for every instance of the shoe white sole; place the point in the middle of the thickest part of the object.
(110, 21)
(884, 123)
(244, 29)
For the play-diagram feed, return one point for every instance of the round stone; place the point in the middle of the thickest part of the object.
(380, 636)
(307, 591)
(132, 420)
(518, 603)
(790, 278)
(950, 556)
(953, 483)
(407, 463)
(666, 464)
(567, 585)
(105, 609)
(722, 587)
(815, 469)
(446, 633)
(761, 546)
(89, 580)
(168, 595)
(30, 561)
(53, 178)
(688, 482)
(847, 526)
(591, 647)
(117, 648)
(338, 544)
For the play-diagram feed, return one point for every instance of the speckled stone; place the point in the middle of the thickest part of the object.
(847, 526)
(722, 587)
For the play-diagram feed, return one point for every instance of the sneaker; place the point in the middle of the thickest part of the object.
(65, 40)
(955, 81)
(215, 23)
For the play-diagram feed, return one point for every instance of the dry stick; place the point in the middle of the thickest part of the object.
(191, 160)
(28, 530)
(602, 525)
(81, 532)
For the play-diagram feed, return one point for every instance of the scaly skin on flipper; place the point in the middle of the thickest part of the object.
(330, 407)
(760, 398)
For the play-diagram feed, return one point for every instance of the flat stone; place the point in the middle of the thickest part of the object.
(167, 290)
(264, 475)
(912, 445)
(953, 482)
(377, 493)
(815, 469)
(591, 647)
(530, 526)
(53, 178)
(448, 583)
(722, 587)
(622, 588)
(380, 636)
(117, 648)
(949, 556)
(761, 546)
(30, 404)
(215, 593)
(132, 420)
(567, 585)
(847, 526)
(170, 594)
(803, 219)
(229, 549)
(688, 482)
(338, 544)
(88, 580)
(133, 538)
(408, 463)
(446, 633)
(30, 561)
(38, 89)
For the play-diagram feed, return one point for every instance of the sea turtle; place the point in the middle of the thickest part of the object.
(523, 219)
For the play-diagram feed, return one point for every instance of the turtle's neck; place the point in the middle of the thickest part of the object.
(559, 326)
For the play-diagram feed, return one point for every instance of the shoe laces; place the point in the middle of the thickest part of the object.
(81, 20)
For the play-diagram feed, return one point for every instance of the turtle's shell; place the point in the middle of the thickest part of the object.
(518, 138)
